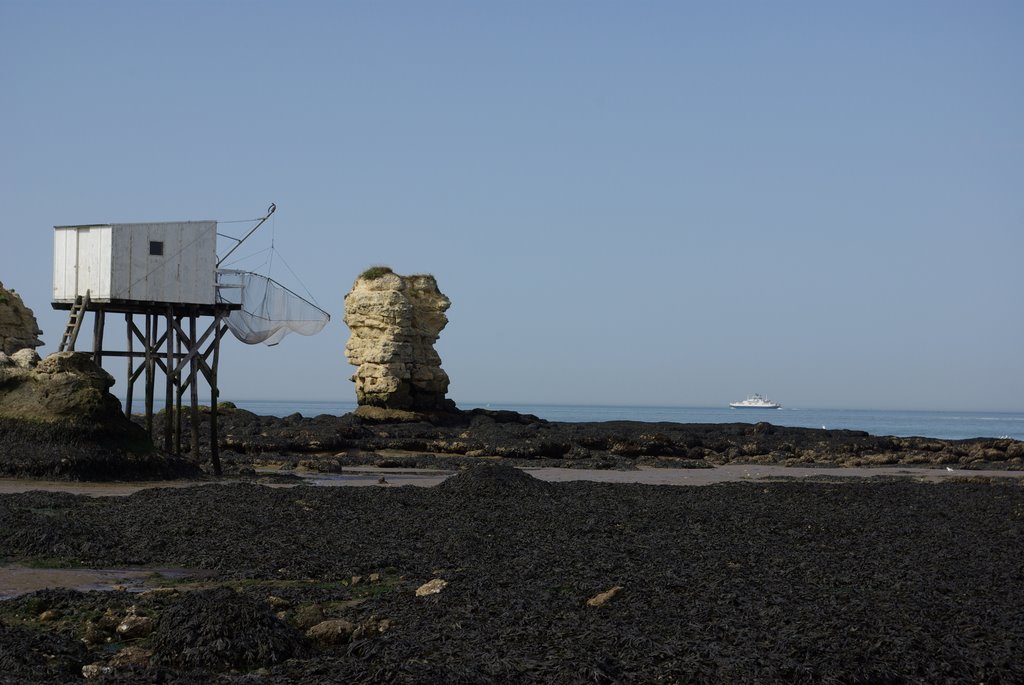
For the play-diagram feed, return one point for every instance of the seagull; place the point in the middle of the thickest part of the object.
(949, 468)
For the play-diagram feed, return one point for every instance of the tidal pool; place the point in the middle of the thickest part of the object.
(17, 579)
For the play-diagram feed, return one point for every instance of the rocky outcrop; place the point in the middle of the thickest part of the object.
(64, 386)
(395, 321)
(456, 439)
(18, 327)
(59, 420)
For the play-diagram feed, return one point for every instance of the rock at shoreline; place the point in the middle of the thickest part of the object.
(64, 386)
(18, 327)
(480, 436)
(59, 420)
(395, 321)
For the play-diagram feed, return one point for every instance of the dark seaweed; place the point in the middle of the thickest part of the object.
(222, 629)
(886, 582)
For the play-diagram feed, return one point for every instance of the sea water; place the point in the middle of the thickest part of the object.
(946, 425)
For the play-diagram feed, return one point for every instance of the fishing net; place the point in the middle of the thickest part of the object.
(269, 310)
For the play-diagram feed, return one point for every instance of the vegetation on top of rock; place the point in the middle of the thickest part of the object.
(375, 272)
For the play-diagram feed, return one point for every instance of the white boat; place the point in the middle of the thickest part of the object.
(756, 401)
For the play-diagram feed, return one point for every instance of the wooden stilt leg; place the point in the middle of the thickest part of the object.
(193, 366)
(131, 368)
(169, 390)
(177, 407)
(101, 316)
(97, 337)
(149, 374)
(215, 398)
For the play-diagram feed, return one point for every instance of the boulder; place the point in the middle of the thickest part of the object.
(371, 627)
(431, 587)
(332, 632)
(18, 327)
(395, 321)
(131, 656)
(134, 626)
(59, 420)
(601, 598)
(96, 670)
(65, 385)
(220, 629)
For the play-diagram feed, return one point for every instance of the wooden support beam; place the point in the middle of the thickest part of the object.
(204, 356)
(138, 372)
(120, 354)
(133, 329)
(181, 355)
(194, 345)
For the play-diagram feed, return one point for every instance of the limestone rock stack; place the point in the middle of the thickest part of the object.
(395, 321)
(18, 326)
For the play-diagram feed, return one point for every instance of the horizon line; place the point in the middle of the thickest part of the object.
(626, 405)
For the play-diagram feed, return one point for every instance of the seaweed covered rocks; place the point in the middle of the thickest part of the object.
(30, 655)
(494, 480)
(220, 629)
(896, 582)
(463, 437)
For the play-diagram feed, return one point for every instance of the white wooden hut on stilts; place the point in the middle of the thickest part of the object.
(167, 274)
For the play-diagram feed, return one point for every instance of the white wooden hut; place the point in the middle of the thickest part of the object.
(167, 262)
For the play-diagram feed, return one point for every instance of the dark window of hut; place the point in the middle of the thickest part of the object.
(156, 247)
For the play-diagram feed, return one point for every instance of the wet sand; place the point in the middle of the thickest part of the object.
(9, 486)
(734, 473)
(17, 579)
(365, 476)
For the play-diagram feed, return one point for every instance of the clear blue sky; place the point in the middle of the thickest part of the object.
(627, 202)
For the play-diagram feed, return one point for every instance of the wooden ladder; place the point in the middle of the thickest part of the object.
(67, 341)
